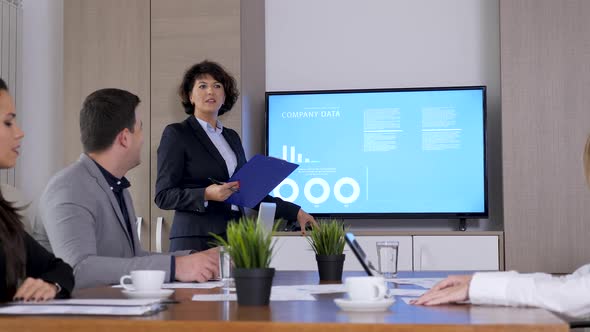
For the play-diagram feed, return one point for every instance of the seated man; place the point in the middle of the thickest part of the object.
(86, 211)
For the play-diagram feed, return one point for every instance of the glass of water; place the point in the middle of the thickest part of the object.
(387, 257)
(225, 268)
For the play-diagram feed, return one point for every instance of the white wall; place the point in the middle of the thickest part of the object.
(348, 44)
(41, 100)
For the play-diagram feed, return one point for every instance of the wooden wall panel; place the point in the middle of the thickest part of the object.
(145, 47)
(184, 32)
(253, 53)
(545, 52)
(107, 44)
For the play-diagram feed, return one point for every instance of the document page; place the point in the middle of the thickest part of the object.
(114, 307)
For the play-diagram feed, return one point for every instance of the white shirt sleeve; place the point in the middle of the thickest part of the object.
(568, 294)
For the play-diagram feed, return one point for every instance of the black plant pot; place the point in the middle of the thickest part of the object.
(330, 267)
(253, 285)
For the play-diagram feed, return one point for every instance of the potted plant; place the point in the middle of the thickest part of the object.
(327, 241)
(250, 247)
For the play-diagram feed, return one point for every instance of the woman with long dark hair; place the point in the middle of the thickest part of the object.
(28, 271)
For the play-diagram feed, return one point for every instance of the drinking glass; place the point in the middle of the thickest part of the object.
(387, 257)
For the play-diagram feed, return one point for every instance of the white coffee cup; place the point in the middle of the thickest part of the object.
(365, 288)
(144, 280)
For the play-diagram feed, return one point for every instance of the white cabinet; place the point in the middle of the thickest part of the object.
(295, 253)
(456, 253)
(417, 252)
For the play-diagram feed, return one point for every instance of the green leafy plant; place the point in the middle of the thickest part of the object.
(248, 243)
(327, 238)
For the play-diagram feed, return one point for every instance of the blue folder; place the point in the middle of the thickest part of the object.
(257, 178)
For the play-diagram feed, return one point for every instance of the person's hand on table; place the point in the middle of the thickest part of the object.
(36, 290)
(200, 267)
(450, 290)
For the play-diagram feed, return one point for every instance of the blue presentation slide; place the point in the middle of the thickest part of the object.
(418, 151)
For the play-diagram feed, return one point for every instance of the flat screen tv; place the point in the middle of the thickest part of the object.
(382, 153)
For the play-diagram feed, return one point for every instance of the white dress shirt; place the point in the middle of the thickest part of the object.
(231, 161)
(569, 294)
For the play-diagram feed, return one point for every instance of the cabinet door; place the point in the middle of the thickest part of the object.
(456, 253)
(295, 253)
(369, 245)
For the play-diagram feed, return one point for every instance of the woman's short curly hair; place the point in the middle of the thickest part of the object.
(219, 74)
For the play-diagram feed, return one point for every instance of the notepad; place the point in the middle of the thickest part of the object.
(114, 307)
(193, 285)
(257, 178)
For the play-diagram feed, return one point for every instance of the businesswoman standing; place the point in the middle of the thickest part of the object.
(199, 150)
(27, 270)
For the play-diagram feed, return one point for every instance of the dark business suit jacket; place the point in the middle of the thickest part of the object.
(186, 160)
(40, 264)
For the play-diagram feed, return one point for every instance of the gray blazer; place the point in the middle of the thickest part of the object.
(80, 216)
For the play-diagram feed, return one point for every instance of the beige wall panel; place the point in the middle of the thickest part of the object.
(107, 44)
(545, 52)
(253, 75)
(184, 32)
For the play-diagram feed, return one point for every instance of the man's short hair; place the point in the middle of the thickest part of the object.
(105, 113)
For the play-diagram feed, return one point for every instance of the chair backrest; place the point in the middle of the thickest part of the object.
(19, 200)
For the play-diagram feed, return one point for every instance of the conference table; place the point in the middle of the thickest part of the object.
(321, 315)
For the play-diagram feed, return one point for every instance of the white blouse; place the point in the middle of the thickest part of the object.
(569, 294)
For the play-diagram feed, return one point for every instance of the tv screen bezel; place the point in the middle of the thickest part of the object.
(397, 215)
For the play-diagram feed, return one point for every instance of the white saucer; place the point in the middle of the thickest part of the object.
(348, 305)
(158, 294)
